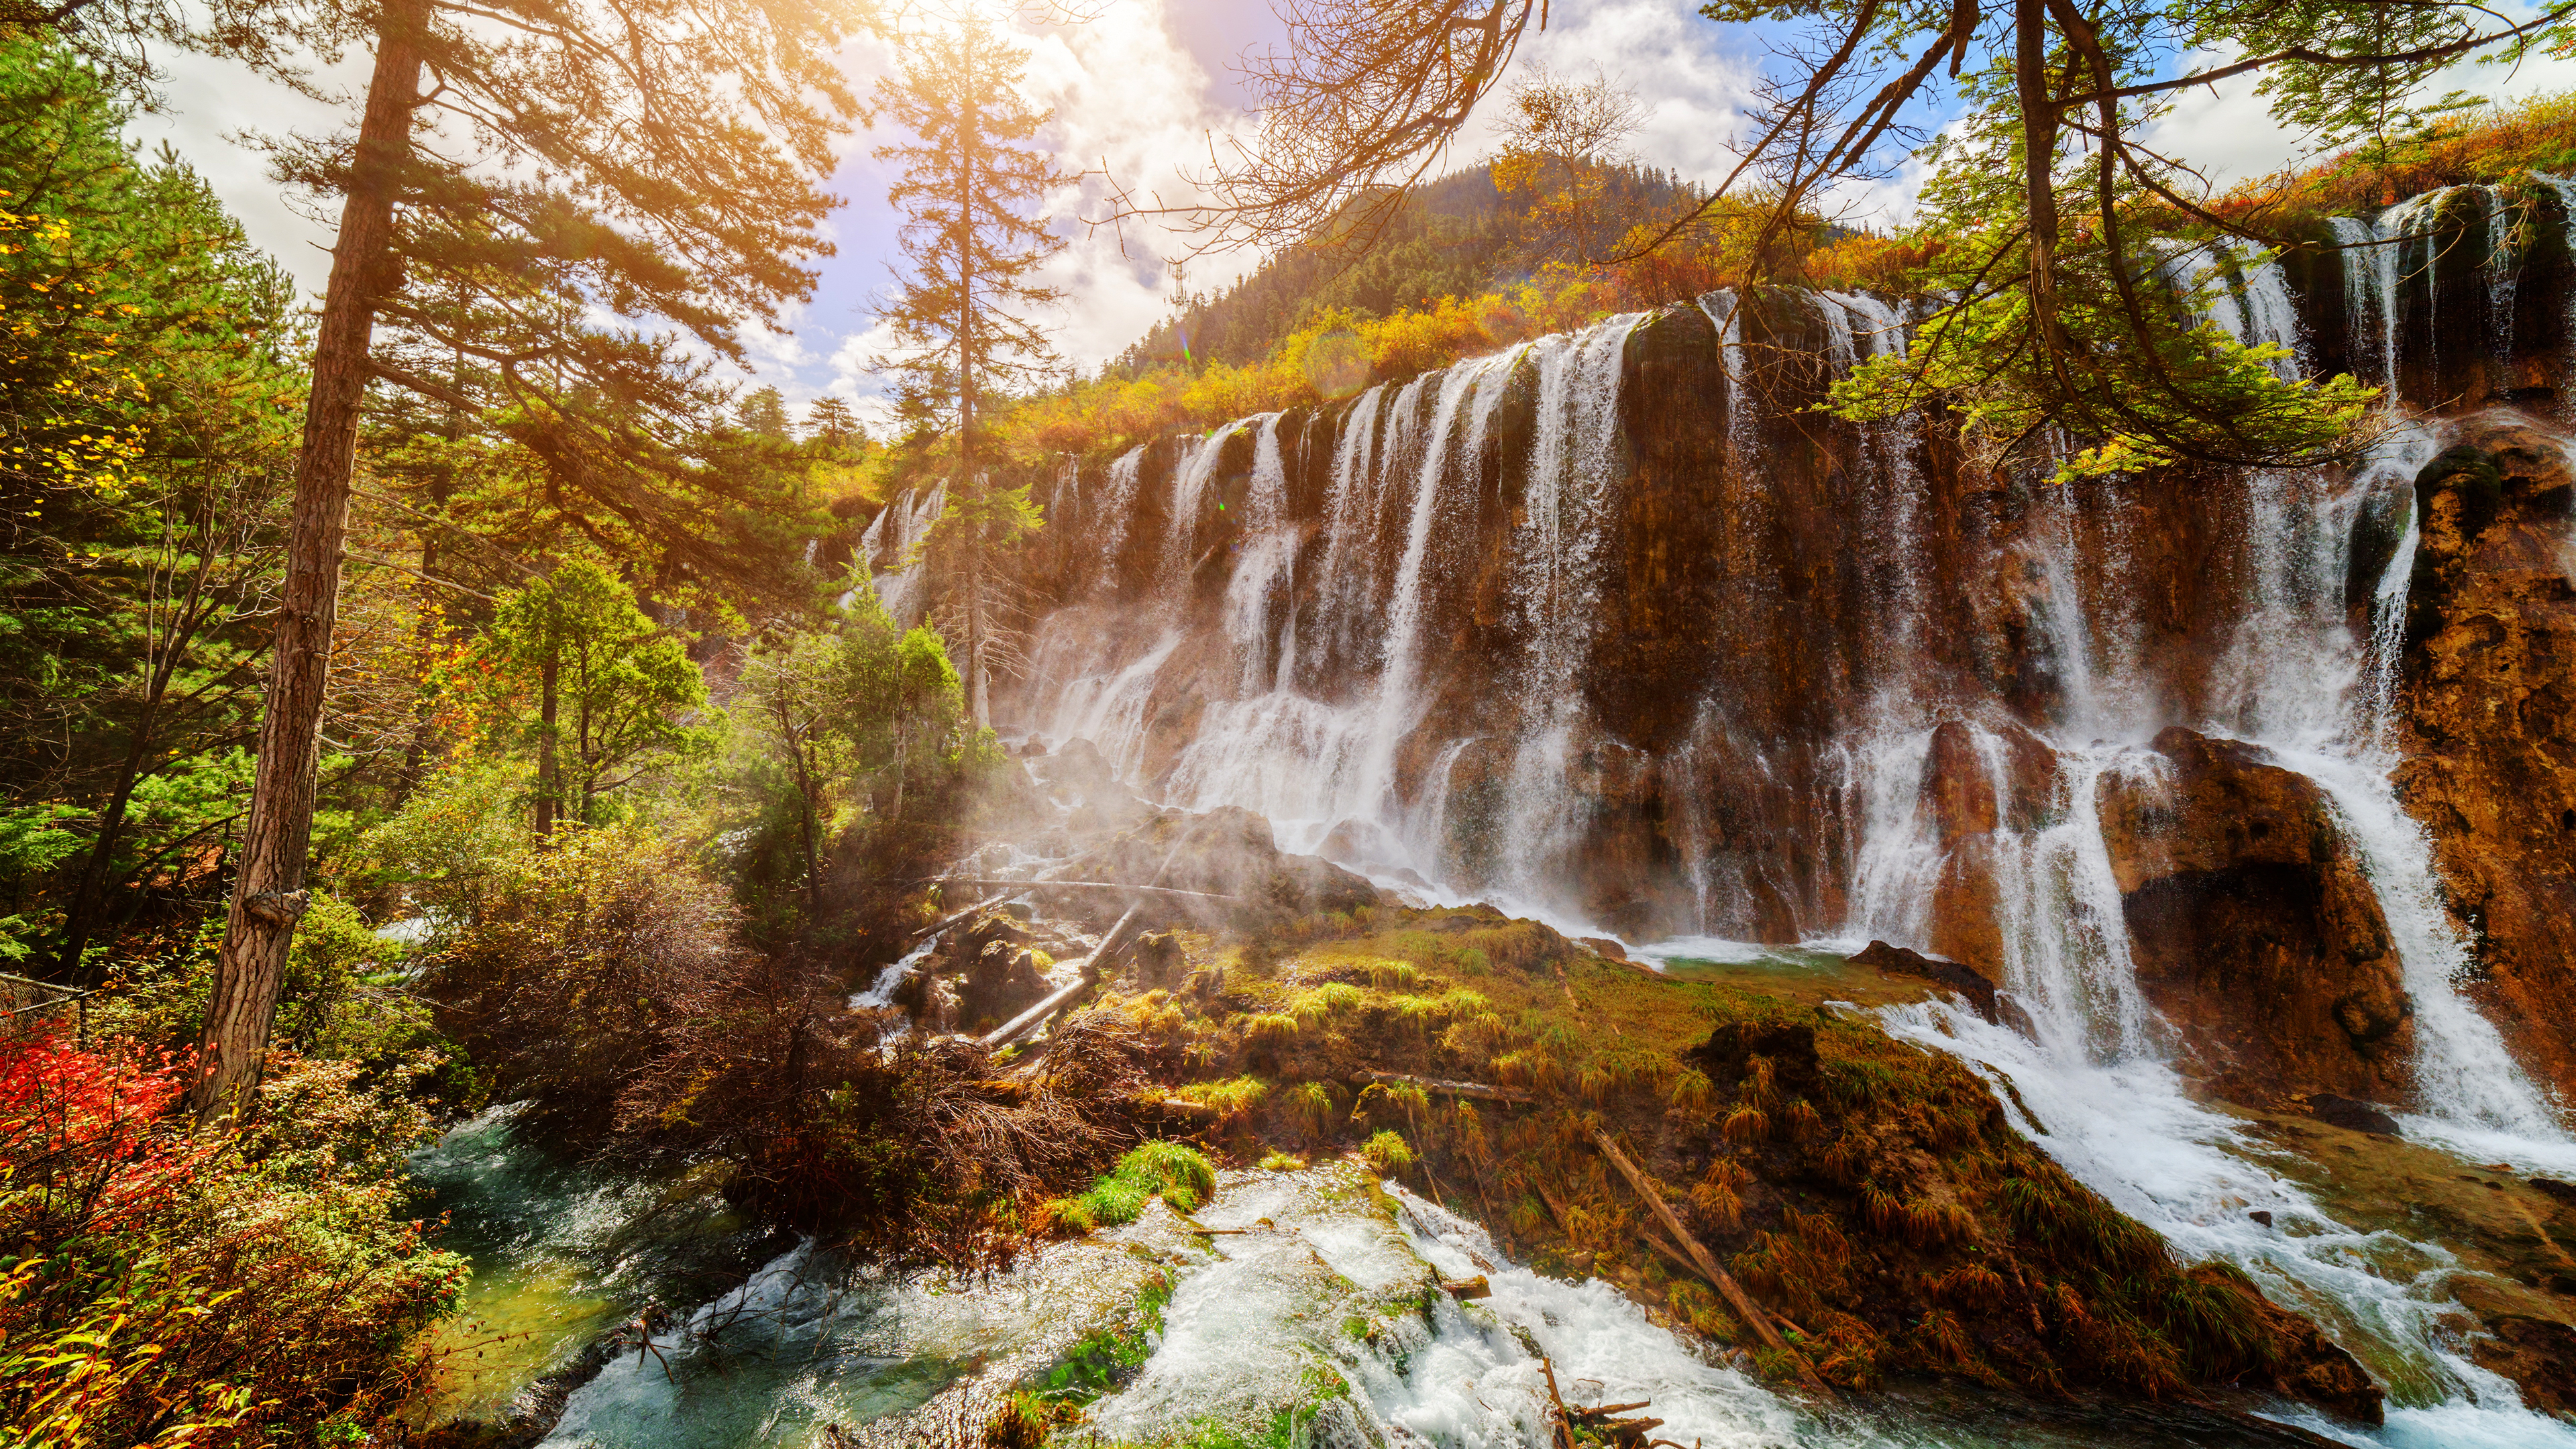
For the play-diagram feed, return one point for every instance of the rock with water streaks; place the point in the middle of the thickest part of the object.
(2253, 929)
(2489, 719)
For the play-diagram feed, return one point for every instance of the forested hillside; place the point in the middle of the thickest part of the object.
(1459, 236)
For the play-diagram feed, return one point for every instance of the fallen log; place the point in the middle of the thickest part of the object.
(944, 922)
(1029, 1020)
(1437, 1087)
(1727, 1287)
(1671, 1254)
(1019, 886)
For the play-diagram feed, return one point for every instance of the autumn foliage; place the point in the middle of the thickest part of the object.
(234, 1288)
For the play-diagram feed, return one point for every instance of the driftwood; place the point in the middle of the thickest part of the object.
(1718, 1277)
(1438, 1088)
(1027, 1021)
(1019, 886)
(1561, 1432)
(1097, 966)
(944, 922)
(1129, 926)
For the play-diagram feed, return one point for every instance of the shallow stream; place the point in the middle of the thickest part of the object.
(1309, 1312)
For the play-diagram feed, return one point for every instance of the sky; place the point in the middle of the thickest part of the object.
(1139, 93)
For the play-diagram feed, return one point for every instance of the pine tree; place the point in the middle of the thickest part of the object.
(962, 317)
(763, 414)
(832, 427)
(534, 186)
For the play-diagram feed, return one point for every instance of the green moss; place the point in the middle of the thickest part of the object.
(1103, 1360)
(1174, 1171)
(1387, 1153)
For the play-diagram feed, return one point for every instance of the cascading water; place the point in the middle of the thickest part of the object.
(1424, 650)
(889, 543)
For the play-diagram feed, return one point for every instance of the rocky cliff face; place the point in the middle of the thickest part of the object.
(2490, 719)
(1615, 626)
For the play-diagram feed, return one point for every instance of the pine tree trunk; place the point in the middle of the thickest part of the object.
(549, 761)
(81, 920)
(900, 739)
(977, 628)
(268, 883)
(807, 792)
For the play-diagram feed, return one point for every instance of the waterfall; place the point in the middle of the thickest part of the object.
(1507, 627)
(1116, 511)
(888, 546)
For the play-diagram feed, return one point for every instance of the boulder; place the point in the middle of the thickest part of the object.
(1229, 851)
(999, 984)
(2538, 1354)
(2252, 926)
(1978, 778)
(996, 976)
(1078, 777)
(2351, 1115)
(1157, 955)
(1958, 976)
(1356, 843)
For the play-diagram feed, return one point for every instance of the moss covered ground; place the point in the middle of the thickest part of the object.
(1870, 1196)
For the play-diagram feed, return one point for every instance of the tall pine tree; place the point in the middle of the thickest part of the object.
(968, 179)
(519, 171)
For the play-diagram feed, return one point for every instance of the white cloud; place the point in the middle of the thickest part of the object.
(1678, 64)
(2227, 131)
(212, 108)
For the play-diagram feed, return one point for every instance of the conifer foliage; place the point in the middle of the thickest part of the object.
(961, 321)
(576, 198)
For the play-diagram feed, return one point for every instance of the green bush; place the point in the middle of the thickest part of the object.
(1173, 1171)
(1387, 1153)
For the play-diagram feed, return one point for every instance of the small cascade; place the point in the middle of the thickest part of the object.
(888, 546)
(1556, 563)
(1115, 511)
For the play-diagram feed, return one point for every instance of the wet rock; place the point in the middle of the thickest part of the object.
(1355, 843)
(2310, 1366)
(1079, 777)
(2351, 1115)
(2488, 700)
(996, 977)
(1230, 851)
(999, 984)
(2538, 1354)
(2011, 1013)
(1977, 778)
(1604, 947)
(2252, 926)
(1958, 976)
(2563, 1191)
(1157, 955)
